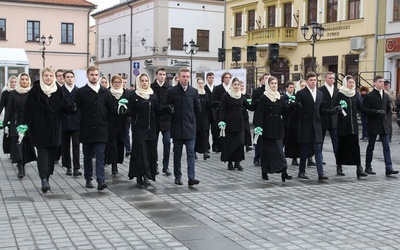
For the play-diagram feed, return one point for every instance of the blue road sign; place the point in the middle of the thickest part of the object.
(136, 65)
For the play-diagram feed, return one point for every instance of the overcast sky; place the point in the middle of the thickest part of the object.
(101, 5)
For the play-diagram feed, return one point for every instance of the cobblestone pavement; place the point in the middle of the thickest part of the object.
(228, 210)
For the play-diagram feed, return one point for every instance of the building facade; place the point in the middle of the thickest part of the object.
(22, 23)
(348, 45)
(141, 36)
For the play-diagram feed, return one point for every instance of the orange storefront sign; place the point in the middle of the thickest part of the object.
(393, 45)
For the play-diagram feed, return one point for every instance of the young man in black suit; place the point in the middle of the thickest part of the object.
(378, 125)
(212, 113)
(310, 129)
(329, 122)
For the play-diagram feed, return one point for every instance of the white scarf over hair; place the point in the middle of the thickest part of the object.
(201, 91)
(18, 87)
(234, 94)
(346, 90)
(48, 89)
(117, 93)
(272, 95)
(8, 85)
(144, 93)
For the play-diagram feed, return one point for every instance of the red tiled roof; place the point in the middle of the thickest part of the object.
(59, 2)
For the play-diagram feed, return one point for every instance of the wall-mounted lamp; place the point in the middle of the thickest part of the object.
(155, 47)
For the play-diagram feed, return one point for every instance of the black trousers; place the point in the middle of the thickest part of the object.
(215, 136)
(67, 137)
(45, 161)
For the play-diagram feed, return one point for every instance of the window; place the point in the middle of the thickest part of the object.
(2, 29)
(287, 14)
(354, 9)
(33, 31)
(109, 46)
(123, 44)
(102, 48)
(312, 11)
(203, 40)
(119, 45)
(238, 24)
(251, 20)
(271, 16)
(331, 11)
(396, 10)
(67, 33)
(176, 38)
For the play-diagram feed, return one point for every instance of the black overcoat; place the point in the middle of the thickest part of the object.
(14, 113)
(230, 112)
(4, 99)
(377, 124)
(329, 121)
(202, 122)
(163, 120)
(94, 106)
(43, 116)
(117, 122)
(310, 129)
(186, 106)
(269, 117)
(143, 116)
(70, 121)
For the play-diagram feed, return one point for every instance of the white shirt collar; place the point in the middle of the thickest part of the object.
(329, 88)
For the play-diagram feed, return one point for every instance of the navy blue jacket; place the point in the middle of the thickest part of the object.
(70, 121)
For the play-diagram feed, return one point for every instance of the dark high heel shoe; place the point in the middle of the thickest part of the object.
(360, 172)
(285, 176)
(230, 166)
(139, 181)
(264, 176)
(206, 156)
(146, 182)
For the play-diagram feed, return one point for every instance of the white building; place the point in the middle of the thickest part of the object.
(163, 27)
(392, 43)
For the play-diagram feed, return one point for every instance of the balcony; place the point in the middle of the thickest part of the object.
(272, 35)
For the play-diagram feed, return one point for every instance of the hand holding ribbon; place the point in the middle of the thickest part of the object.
(292, 98)
(257, 131)
(21, 129)
(122, 108)
(343, 104)
(222, 126)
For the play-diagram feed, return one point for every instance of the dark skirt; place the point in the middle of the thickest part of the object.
(114, 152)
(232, 147)
(6, 144)
(23, 152)
(201, 145)
(348, 152)
(143, 160)
(247, 133)
(292, 148)
(272, 158)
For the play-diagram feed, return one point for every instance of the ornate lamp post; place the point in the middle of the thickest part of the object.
(42, 42)
(316, 35)
(193, 48)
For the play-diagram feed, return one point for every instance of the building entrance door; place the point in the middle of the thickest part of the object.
(280, 69)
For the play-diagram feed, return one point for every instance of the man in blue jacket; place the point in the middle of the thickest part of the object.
(186, 103)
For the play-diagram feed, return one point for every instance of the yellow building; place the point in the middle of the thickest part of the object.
(348, 44)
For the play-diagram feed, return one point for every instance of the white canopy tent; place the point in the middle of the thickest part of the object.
(13, 61)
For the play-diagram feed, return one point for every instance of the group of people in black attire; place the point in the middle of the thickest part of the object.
(45, 115)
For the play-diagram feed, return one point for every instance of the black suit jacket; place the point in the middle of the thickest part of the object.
(376, 124)
(330, 121)
(212, 113)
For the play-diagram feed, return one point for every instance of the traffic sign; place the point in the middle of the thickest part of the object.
(136, 72)
(136, 65)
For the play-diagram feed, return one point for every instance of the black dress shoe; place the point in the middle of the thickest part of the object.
(264, 176)
(238, 166)
(294, 162)
(45, 186)
(101, 186)
(146, 182)
(369, 171)
(77, 172)
(195, 156)
(139, 181)
(166, 172)
(391, 171)
(128, 153)
(322, 177)
(69, 171)
(257, 162)
(248, 148)
(192, 182)
(360, 172)
(303, 175)
(89, 184)
(311, 162)
(230, 166)
(323, 163)
(114, 168)
(285, 176)
(339, 170)
(178, 182)
(206, 156)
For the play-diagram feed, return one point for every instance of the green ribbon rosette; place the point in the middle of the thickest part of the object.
(222, 126)
(21, 130)
(257, 132)
(292, 98)
(122, 108)
(343, 104)
(249, 101)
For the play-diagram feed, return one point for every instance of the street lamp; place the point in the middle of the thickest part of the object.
(42, 42)
(316, 35)
(155, 48)
(192, 51)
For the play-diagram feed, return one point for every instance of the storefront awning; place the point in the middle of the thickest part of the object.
(12, 56)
